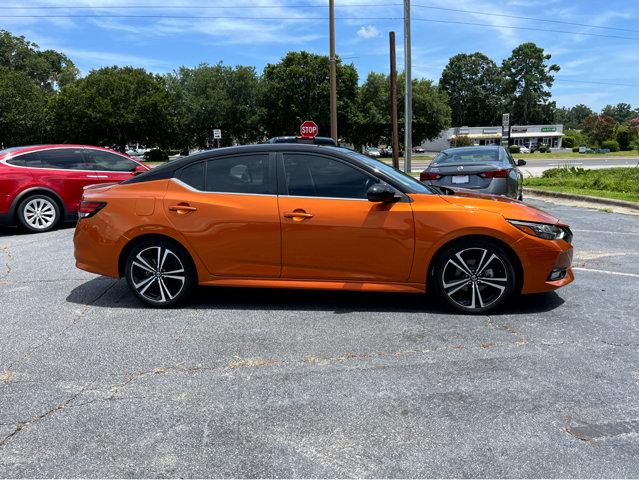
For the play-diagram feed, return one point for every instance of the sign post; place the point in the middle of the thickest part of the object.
(309, 129)
(505, 129)
(217, 135)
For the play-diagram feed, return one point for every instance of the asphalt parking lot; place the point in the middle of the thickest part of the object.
(267, 383)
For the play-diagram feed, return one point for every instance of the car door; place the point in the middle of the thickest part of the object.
(108, 166)
(330, 231)
(226, 207)
(65, 171)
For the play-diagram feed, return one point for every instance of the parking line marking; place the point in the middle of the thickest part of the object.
(608, 272)
(605, 231)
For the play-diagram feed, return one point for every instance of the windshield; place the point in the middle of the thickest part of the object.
(468, 156)
(410, 184)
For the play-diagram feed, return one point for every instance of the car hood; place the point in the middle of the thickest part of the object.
(507, 207)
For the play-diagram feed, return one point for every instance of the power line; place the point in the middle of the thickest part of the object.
(612, 84)
(235, 17)
(206, 7)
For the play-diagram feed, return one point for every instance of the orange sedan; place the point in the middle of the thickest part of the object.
(306, 216)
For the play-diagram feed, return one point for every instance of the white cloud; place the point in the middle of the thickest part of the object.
(369, 31)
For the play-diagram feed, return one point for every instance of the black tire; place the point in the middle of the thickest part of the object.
(39, 213)
(521, 197)
(166, 286)
(474, 276)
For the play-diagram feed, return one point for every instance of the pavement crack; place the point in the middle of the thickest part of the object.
(522, 339)
(22, 425)
(7, 252)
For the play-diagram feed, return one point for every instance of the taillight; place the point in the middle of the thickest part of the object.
(88, 209)
(429, 176)
(495, 174)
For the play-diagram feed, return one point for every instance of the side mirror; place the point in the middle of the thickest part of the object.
(521, 163)
(139, 169)
(381, 193)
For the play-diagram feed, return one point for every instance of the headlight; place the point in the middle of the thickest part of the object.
(541, 230)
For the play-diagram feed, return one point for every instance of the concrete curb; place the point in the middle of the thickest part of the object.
(583, 198)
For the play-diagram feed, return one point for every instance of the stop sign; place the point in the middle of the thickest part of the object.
(309, 129)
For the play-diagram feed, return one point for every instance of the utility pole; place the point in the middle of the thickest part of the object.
(331, 6)
(408, 107)
(393, 101)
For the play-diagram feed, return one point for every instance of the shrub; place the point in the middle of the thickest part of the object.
(156, 155)
(624, 137)
(612, 145)
(575, 149)
(514, 149)
(464, 141)
(544, 148)
(569, 142)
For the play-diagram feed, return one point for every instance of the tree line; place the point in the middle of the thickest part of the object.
(43, 99)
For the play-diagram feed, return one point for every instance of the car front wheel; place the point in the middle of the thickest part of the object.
(160, 273)
(475, 276)
(38, 213)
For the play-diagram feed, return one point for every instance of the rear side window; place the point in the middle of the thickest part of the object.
(63, 159)
(239, 174)
(31, 160)
(108, 162)
(194, 175)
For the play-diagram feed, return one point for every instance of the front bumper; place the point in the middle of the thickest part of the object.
(539, 258)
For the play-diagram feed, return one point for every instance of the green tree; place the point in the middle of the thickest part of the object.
(115, 106)
(624, 137)
(622, 112)
(48, 68)
(297, 88)
(528, 78)
(431, 113)
(372, 123)
(599, 128)
(22, 109)
(572, 117)
(216, 96)
(473, 83)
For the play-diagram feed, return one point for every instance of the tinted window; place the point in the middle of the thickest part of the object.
(314, 176)
(193, 175)
(108, 162)
(239, 174)
(63, 158)
(468, 156)
(31, 160)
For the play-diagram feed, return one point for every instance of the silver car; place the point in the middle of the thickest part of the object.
(488, 169)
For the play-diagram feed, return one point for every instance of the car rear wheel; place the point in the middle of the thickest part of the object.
(475, 276)
(38, 213)
(160, 273)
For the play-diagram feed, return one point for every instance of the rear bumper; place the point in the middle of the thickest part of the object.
(95, 252)
(497, 186)
(539, 258)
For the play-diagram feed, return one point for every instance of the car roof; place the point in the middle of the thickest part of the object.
(302, 140)
(14, 151)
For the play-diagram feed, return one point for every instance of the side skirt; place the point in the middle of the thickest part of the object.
(316, 284)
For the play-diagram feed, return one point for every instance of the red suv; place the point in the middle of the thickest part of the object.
(42, 185)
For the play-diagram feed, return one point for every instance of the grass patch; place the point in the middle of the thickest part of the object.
(542, 156)
(615, 183)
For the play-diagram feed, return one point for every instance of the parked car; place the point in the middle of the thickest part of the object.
(310, 141)
(419, 150)
(524, 149)
(373, 152)
(307, 216)
(487, 169)
(40, 186)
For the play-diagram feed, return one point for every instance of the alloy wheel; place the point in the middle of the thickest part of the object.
(475, 278)
(157, 274)
(39, 213)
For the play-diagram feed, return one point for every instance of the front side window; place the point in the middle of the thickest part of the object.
(63, 159)
(108, 162)
(316, 176)
(239, 174)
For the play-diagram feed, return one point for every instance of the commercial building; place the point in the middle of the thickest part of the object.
(531, 136)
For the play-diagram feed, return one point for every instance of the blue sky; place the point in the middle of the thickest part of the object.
(258, 32)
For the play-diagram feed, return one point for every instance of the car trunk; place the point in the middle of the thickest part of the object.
(463, 175)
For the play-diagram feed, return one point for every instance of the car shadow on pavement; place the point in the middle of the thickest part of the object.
(109, 293)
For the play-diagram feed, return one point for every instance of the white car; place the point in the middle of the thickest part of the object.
(373, 152)
(523, 149)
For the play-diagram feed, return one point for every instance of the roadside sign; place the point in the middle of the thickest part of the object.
(217, 134)
(505, 119)
(309, 129)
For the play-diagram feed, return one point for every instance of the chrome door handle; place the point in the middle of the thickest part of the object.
(97, 176)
